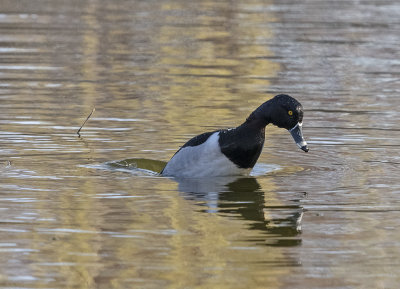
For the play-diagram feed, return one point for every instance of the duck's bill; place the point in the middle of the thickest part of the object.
(297, 135)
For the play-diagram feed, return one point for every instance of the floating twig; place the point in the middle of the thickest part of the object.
(78, 132)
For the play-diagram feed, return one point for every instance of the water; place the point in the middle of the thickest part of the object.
(91, 212)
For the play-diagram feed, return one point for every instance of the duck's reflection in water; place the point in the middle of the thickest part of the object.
(243, 197)
(238, 197)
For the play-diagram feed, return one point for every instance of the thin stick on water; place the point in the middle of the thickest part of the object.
(78, 132)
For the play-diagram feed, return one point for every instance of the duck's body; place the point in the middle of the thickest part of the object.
(202, 160)
(235, 151)
(217, 153)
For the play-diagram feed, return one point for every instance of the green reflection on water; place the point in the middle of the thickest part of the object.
(144, 164)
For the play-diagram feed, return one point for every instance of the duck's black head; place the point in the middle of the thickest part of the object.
(283, 111)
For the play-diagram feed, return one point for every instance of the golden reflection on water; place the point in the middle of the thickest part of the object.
(168, 240)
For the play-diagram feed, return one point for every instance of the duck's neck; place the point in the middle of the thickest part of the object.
(259, 118)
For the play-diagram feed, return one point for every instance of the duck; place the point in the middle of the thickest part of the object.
(235, 151)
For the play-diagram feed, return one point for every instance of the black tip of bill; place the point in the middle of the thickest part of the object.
(305, 148)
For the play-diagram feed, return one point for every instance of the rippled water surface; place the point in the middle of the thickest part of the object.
(92, 212)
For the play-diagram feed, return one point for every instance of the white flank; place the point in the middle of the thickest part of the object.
(205, 160)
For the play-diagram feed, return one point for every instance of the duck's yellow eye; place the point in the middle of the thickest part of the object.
(290, 112)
